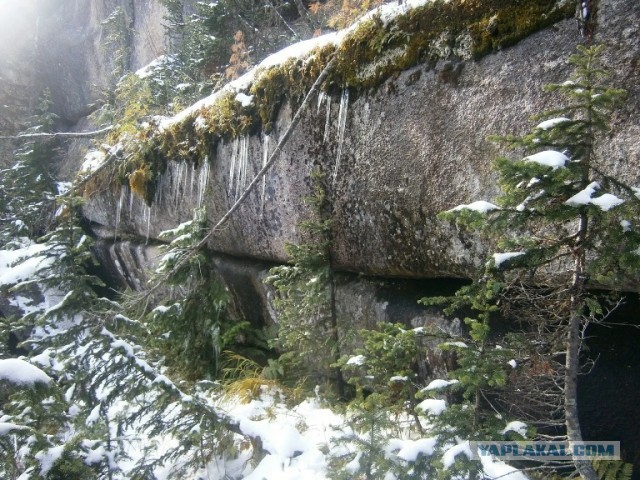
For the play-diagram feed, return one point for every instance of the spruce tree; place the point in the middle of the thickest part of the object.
(563, 226)
(108, 387)
(27, 184)
(308, 335)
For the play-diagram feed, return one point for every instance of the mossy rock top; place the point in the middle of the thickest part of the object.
(373, 51)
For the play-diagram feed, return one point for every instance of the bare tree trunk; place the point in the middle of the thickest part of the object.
(572, 361)
(335, 336)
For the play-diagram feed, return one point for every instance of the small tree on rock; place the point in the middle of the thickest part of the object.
(562, 224)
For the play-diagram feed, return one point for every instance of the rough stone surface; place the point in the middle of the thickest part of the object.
(411, 148)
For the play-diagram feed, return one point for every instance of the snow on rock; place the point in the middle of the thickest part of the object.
(480, 206)
(389, 11)
(412, 449)
(605, 201)
(92, 160)
(548, 158)
(516, 426)
(301, 50)
(512, 363)
(552, 122)
(19, 372)
(496, 469)
(244, 99)
(432, 406)
(449, 457)
(500, 258)
(626, 225)
(438, 384)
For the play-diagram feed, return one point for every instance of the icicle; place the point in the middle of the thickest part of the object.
(238, 167)
(130, 203)
(232, 164)
(243, 160)
(321, 98)
(178, 180)
(265, 158)
(192, 181)
(342, 124)
(203, 180)
(187, 169)
(148, 216)
(123, 191)
(327, 121)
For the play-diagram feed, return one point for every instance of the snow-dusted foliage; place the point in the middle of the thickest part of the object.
(563, 217)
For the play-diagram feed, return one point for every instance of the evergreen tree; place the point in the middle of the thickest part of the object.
(563, 224)
(387, 365)
(28, 185)
(307, 322)
(108, 388)
(194, 324)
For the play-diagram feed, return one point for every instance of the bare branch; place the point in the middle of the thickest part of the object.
(35, 136)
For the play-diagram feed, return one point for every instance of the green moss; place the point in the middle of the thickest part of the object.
(371, 54)
(228, 119)
(416, 37)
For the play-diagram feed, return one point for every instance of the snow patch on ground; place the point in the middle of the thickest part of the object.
(22, 264)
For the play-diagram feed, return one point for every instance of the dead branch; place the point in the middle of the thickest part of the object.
(272, 159)
(35, 136)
